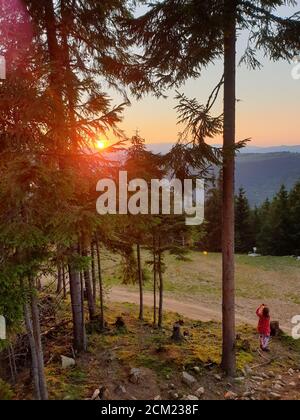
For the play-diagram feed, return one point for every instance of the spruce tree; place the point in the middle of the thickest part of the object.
(244, 235)
(294, 205)
(213, 219)
(180, 38)
(281, 224)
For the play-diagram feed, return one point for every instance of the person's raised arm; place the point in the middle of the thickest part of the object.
(260, 310)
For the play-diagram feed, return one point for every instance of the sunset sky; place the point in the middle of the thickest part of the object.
(269, 110)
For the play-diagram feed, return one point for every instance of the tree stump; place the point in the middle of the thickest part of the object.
(275, 329)
(177, 336)
(246, 346)
(120, 323)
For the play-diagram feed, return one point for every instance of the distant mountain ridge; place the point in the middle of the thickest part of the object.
(272, 149)
(261, 175)
(261, 171)
(166, 147)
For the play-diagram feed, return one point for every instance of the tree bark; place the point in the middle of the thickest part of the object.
(101, 290)
(36, 327)
(154, 283)
(12, 364)
(38, 284)
(32, 322)
(94, 278)
(77, 310)
(88, 281)
(161, 286)
(59, 279)
(34, 362)
(141, 286)
(64, 281)
(229, 335)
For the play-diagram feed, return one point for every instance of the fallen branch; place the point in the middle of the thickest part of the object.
(56, 327)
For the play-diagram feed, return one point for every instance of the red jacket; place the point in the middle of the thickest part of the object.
(264, 324)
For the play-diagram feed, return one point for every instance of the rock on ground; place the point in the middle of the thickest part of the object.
(188, 379)
(230, 396)
(135, 376)
(200, 392)
(67, 362)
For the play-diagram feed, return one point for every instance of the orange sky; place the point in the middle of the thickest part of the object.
(269, 111)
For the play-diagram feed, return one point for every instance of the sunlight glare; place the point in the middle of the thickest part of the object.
(101, 144)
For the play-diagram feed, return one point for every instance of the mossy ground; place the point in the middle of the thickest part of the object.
(111, 356)
(6, 392)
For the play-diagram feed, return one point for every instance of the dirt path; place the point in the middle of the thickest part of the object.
(191, 310)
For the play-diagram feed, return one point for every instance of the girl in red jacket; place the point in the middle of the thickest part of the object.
(264, 327)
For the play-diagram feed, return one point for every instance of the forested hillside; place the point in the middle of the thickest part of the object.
(273, 228)
(261, 175)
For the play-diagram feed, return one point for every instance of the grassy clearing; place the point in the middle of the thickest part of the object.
(257, 278)
(272, 280)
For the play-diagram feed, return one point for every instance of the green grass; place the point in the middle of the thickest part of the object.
(256, 278)
(271, 280)
(270, 263)
(292, 344)
(69, 384)
(6, 393)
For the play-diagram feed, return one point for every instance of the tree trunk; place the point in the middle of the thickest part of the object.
(88, 281)
(59, 279)
(94, 279)
(36, 328)
(89, 294)
(59, 57)
(64, 281)
(38, 284)
(101, 291)
(34, 362)
(161, 286)
(154, 283)
(77, 310)
(229, 335)
(56, 77)
(32, 322)
(12, 364)
(141, 286)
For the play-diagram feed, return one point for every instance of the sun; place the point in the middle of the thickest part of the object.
(101, 144)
